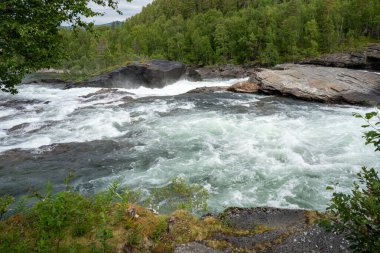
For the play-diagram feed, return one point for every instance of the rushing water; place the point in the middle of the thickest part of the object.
(247, 150)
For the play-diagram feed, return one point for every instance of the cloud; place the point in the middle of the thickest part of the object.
(128, 9)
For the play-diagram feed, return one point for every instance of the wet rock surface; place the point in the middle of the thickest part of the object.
(368, 58)
(208, 89)
(33, 168)
(321, 84)
(107, 93)
(152, 74)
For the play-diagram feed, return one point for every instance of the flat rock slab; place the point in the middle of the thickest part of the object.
(248, 218)
(312, 239)
(322, 84)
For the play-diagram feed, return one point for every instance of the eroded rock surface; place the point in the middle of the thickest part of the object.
(244, 87)
(322, 84)
(152, 74)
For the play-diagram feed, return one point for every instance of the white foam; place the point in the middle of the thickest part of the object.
(180, 87)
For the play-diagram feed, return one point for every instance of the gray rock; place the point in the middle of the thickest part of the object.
(194, 247)
(248, 218)
(366, 59)
(313, 239)
(244, 87)
(208, 89)
(251, 242)
(221, 72)
(322, 84)
(152, 74)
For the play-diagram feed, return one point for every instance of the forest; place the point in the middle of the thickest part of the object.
(215, 32)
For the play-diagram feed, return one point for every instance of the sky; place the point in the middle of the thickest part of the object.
(128, 9)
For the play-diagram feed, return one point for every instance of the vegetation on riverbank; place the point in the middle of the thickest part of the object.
(110, 221)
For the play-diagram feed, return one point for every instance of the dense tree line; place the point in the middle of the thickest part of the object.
(208, 32)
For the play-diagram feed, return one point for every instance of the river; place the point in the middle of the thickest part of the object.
(247, 150)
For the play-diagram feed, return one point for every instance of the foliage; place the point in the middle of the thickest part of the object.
(357, 215)
(208, 32)
(373, 121)
(68, 221)
(5, 202)
(180, 195)
(30, 37)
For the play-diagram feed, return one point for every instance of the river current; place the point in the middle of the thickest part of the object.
(247, 150)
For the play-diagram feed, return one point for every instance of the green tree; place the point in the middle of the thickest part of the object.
(29, 34)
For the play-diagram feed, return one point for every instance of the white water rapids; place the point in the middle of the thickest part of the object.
(247, 150)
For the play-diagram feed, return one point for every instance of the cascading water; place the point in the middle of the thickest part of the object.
(247, 150)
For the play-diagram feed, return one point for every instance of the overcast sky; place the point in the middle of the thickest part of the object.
(128, 9)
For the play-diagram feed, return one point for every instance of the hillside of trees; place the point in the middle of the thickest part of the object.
(213, 32)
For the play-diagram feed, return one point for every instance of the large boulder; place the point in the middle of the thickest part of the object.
(322, 84)
(366, 59)
(152, 74)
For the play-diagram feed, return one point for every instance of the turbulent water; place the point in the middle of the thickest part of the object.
(247, 150)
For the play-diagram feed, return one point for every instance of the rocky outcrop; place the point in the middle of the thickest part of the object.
(284, 230)
(244, 87)
(221, 72)
(367, 59)
(322, 84)
(152, 74)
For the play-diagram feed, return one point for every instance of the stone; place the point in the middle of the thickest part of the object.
(221, 72)
(368, 58)
(208, 89)
(321, 84)
(248, 218)
(152, 74)
(244, 87)
(313, 239)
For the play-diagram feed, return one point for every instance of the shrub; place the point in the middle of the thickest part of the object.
(5, 202)
(357, 215)
(180, 195)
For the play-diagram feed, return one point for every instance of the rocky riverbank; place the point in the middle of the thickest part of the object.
(349, 78)
(368, 58)
(283, 230)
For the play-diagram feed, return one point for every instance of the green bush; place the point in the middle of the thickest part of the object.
(5, 202)
(180, 195)
(357, 215)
